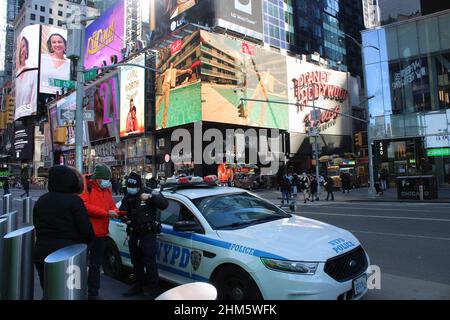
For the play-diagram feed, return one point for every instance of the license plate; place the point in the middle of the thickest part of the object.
(360, 285)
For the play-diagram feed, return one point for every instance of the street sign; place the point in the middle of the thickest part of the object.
(69, 84)
(88, 115)
(90, 75)
(67, 115)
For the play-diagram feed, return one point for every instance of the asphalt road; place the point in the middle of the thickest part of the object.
(408, 241)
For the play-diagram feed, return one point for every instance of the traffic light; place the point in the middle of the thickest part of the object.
(241, 110)
(358, 139)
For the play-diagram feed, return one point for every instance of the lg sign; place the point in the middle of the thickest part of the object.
(243, 5)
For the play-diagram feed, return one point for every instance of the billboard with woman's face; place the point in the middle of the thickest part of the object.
(54, 64)
(27, 49)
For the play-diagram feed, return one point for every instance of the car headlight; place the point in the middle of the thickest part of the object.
(308, 268)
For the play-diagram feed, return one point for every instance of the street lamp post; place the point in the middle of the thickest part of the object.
(371, 190)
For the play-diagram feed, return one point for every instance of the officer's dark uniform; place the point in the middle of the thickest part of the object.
(142, 229)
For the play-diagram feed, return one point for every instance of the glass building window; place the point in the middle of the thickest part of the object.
(33, 16)
(42, 19)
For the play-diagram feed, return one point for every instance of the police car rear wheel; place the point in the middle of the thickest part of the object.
(234, 283)
(112, 263)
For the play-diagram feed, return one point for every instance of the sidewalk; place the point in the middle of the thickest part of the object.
(358, 195)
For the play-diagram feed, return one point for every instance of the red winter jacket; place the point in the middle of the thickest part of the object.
(98, 202)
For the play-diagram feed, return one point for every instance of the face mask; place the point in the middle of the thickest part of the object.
(132, 191)
(105, 184)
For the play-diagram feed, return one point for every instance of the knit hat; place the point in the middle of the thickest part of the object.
(134, 180)
(102, 171)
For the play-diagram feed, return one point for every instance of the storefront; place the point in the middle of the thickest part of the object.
(138, 155)
(407, 68)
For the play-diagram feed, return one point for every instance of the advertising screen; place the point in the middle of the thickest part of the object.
(54, 64)
(23, 141)
(167, 16)
(104, 38)
(178, 87)
(132, 99)
(27, 49)
(243, 16)
(231, 70)
(104, 99)
(313, 85)
(26, 94)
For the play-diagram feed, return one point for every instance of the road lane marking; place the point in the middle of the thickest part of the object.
(400, 235)
(370, 216)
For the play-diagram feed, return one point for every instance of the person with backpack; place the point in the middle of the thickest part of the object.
(97, 198)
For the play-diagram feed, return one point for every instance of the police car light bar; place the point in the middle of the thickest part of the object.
(190, 182)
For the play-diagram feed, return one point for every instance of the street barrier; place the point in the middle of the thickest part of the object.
(7, 203)
(3, 232)
(190, 291)
(27, 211)
(12, 221)
(19, 270)
(65, 274)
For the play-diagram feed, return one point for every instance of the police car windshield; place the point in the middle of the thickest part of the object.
(234, 211)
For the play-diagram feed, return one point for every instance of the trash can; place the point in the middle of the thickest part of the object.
(417, 188)
(65, 274)
(19, 270)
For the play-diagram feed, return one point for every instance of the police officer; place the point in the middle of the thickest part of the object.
(140, 205)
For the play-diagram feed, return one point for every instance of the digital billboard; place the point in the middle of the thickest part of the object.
(104, 38)
(132, 99)
(26, 94)
(66, 110)
(166, 16)
(310, 85)
(27, 49)
(178, 87)
(243, 16)
(23, 141)
(104, 99)
(26, 81)
(232, 69)
(54, 64)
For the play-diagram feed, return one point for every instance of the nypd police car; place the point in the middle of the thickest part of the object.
(247, 247)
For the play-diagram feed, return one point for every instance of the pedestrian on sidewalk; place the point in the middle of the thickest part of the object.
(59, 216)
(329, 186)
(305, 185)
(97, 198)
(383, 179)
(345, 181)
(5, 185)
(285, 187)
(26, 186)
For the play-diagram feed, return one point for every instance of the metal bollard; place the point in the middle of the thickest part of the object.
(65, 274)
(12, 221)
(7, 203)
(421, 192)
(19, 270)
(27, 211)
(3, 224)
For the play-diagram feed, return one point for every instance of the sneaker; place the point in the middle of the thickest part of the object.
(133, 292)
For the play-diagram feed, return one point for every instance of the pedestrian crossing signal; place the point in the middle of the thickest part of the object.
(241, 110)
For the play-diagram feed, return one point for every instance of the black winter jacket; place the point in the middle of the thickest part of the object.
(141, 215)
(59, 216)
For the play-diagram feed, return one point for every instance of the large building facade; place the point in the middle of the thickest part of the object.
(409, 78)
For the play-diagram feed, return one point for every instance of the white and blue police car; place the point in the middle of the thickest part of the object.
(247, 247)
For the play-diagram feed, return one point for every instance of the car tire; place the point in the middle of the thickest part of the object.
(234, 283)
(112, 262)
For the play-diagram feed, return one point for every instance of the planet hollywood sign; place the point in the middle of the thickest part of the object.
(314, 85)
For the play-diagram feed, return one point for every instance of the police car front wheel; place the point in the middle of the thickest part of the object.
(233, 283)
(112, 263)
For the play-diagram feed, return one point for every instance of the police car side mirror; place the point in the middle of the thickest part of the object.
(187, 226)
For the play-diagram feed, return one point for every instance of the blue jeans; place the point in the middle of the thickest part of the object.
(284, 195)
